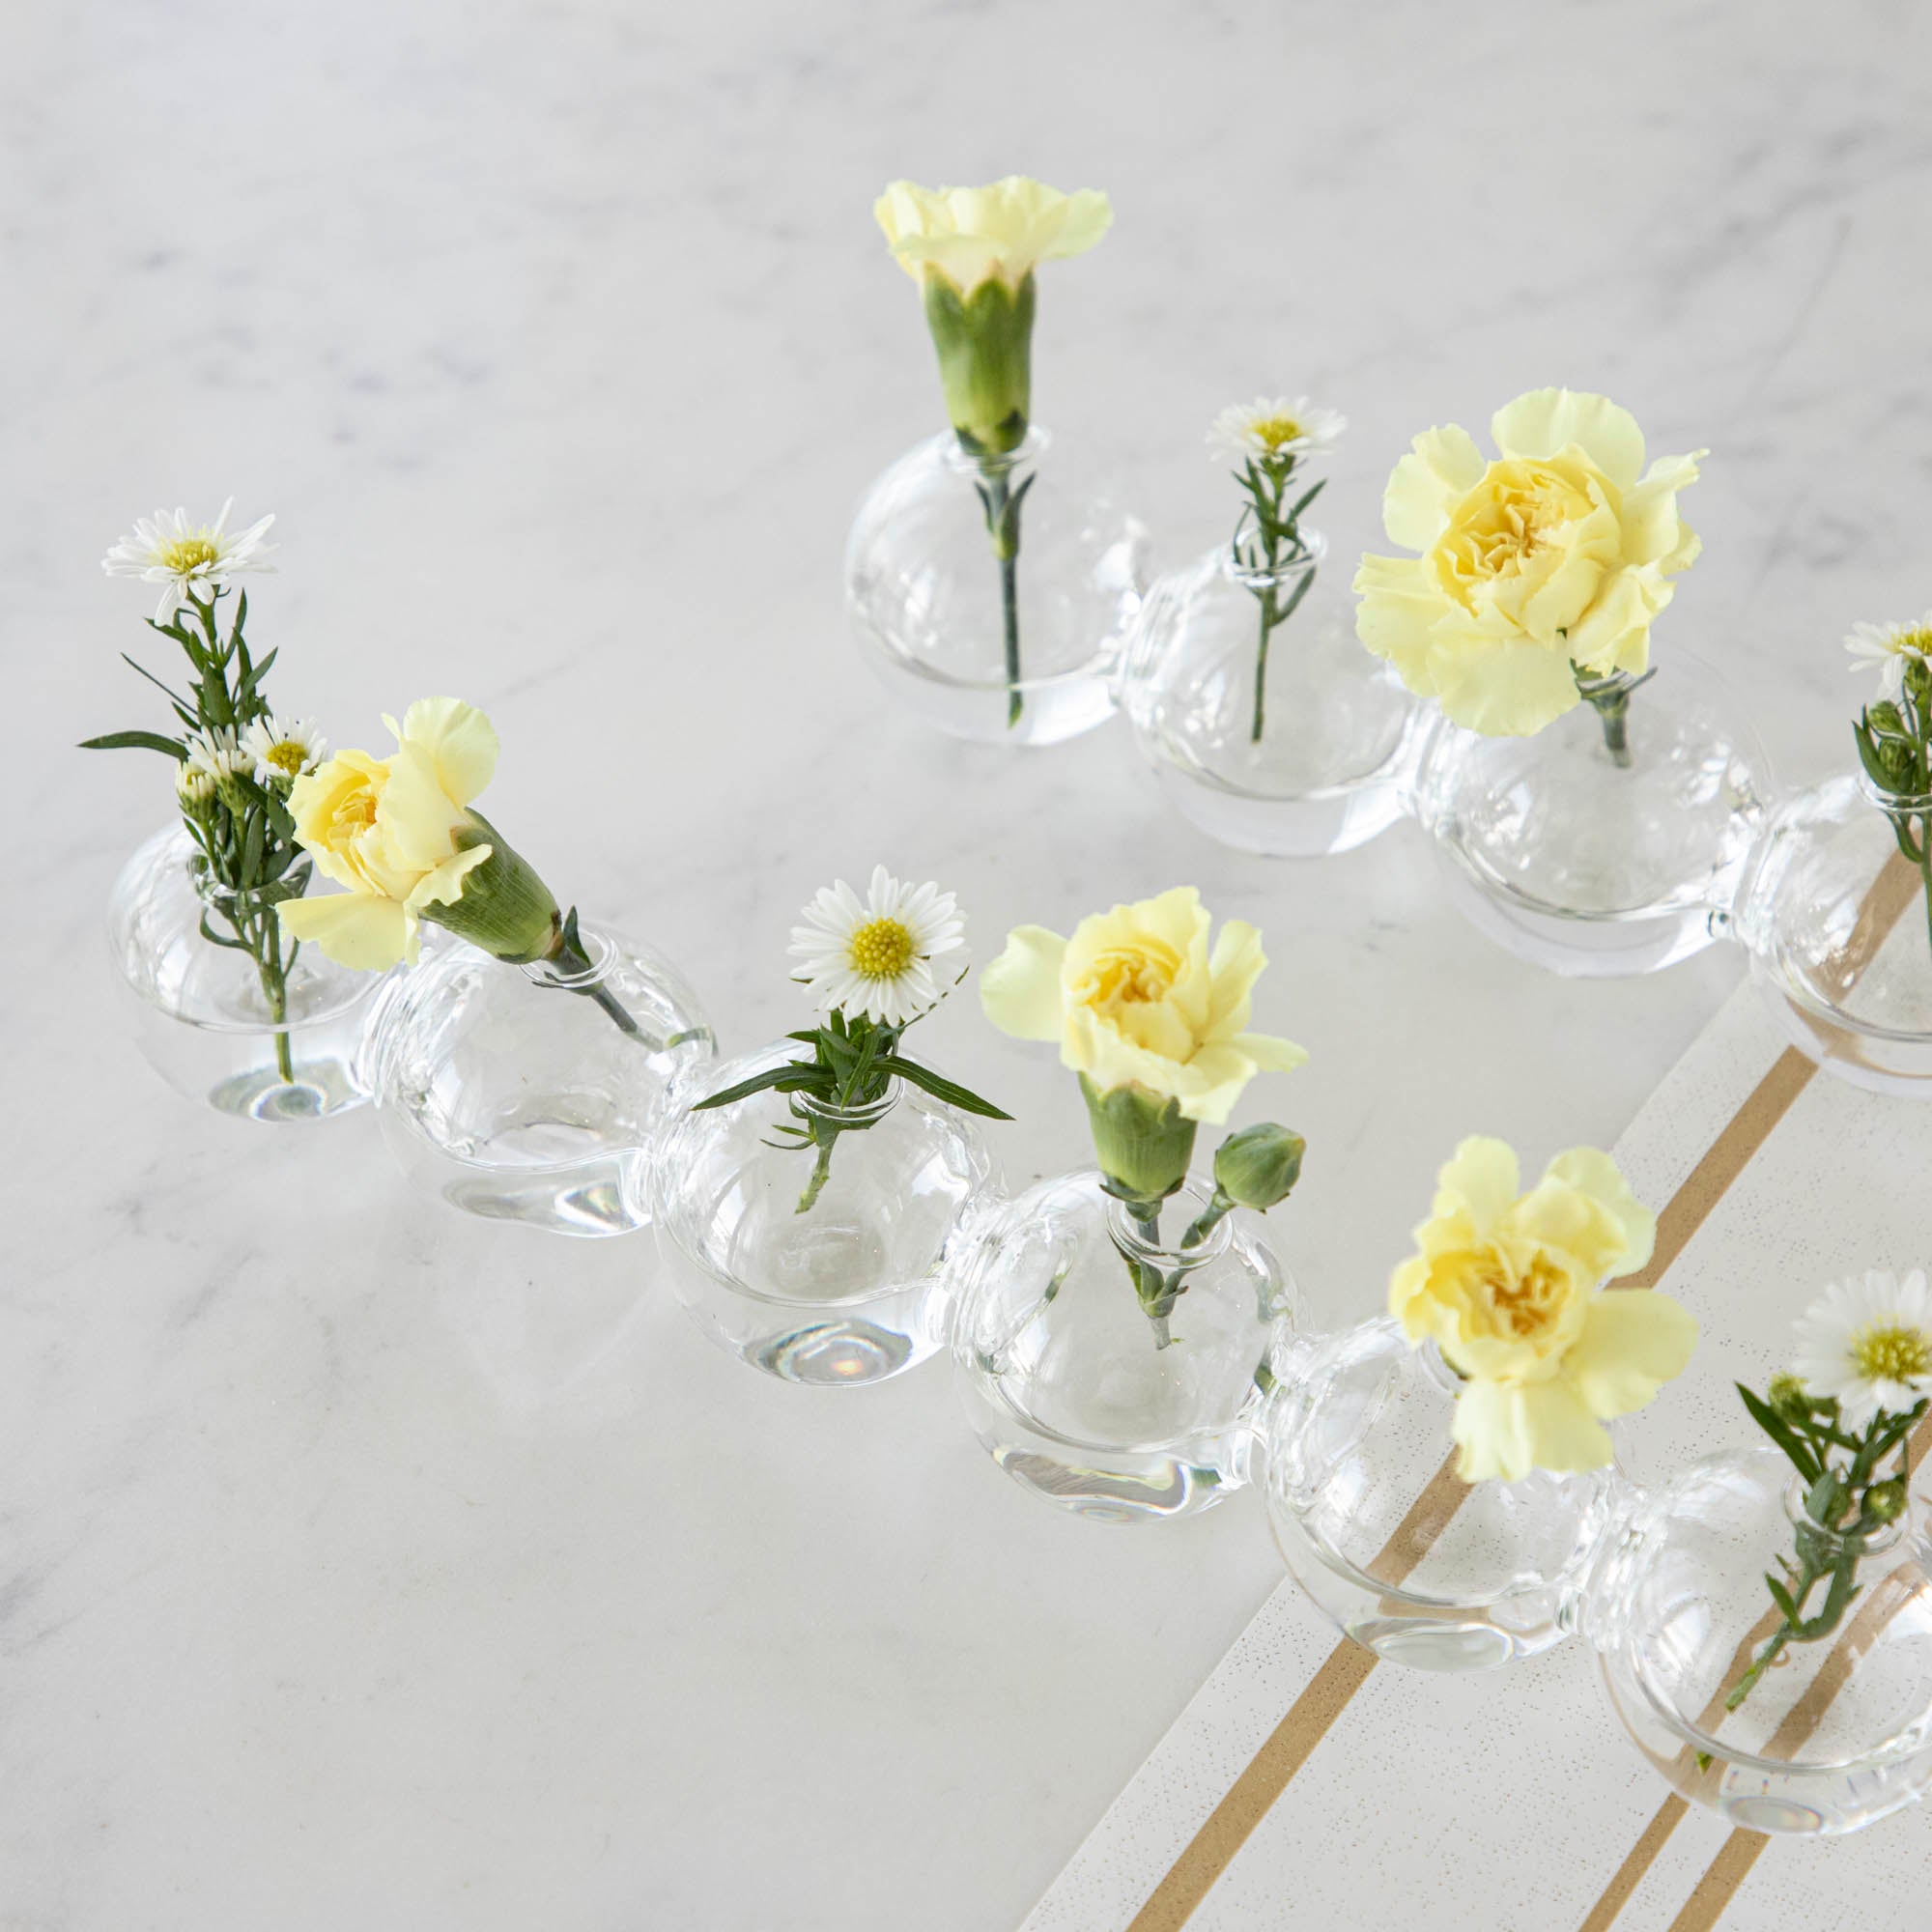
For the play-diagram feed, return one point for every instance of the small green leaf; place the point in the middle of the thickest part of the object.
(143, 741)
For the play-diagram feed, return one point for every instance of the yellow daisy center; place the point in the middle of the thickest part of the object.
(288, 756)
(1274, 431)
(881, 949)
(1892, 1352)
(1914, 637)
(187, 553)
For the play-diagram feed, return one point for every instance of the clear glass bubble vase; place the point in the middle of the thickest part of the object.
(1837, 1732)
(1398, 1553)
(1078, 1393)
(518, 1092)
(1592, 857)
(993, 594)
(829, 1273)
(1838, 922)
(206, 1014)
(1297, 745)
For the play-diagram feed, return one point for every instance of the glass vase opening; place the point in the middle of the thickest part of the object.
(993, 595)
(1084, 1396)
(1601, 847)
(1373, 1522)
(1267, 723)
(1838, 922)
(227, 1008)
(812, 1241)
(529, 1094)
(1837, 1731)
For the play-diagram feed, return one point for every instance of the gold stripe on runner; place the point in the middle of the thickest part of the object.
(1287, 1748)
(1208, 1853)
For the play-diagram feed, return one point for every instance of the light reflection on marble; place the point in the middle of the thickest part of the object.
(361, 1565)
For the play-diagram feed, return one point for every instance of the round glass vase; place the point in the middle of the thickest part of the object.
(207, 1018)
(832, 1274)
(1291, 746)
(1837, 1732)
(517, 1093)
(1014, 649)
(1587, 865)
(1079, 1394)
(1398, 1553)
(1839, 923)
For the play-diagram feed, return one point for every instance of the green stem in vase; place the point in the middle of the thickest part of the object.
(1610, 699)
(1266, 552)
(1002, 502)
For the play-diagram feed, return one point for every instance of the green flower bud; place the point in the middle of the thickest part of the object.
(1918, 680)
(1258, 1167)
(194, 794)
(1786, 1398)
(985, 359)
(1886, 719)
(503, 907)
(1885, 1502)
(1143, 1139)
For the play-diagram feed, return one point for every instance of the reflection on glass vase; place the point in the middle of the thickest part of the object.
(1610, 841)
(1079, 1393)
(994, 602)
(820, 1264)
(1837, 1732)
(231, 1011)
(1838, 922)
(532, 1093)
(1407, 1559)
(1267, 723)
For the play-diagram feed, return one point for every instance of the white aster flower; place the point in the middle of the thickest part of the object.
(283, 748)
(875, 956)
(194, 789)
(1275, 426)
(180, 556)
(1888, 649)
(1867, 1341)
(217, 756)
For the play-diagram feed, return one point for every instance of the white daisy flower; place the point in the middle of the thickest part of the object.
(1867, 1341)
(1276, 426)
(217, 756)
(180, 556)
(875, 956)
(1888, 649)
(283, 748)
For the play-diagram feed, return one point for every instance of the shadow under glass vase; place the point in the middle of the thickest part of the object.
(1588, 864)
(1076, 1391)
(513, 1092)
(1253, 703)
(1398, 1553)
(818, 1264)
(1837, 921)
(1834, 1735)
(280, 1044)
(993, 594)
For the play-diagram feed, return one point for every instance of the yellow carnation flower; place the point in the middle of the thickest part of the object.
(397, 833)
(1000, 232)
(1136, 998)
(973, 252)
(1508, 1286)
(1559, 552)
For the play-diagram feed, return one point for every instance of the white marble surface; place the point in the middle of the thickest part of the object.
(363, 1566)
